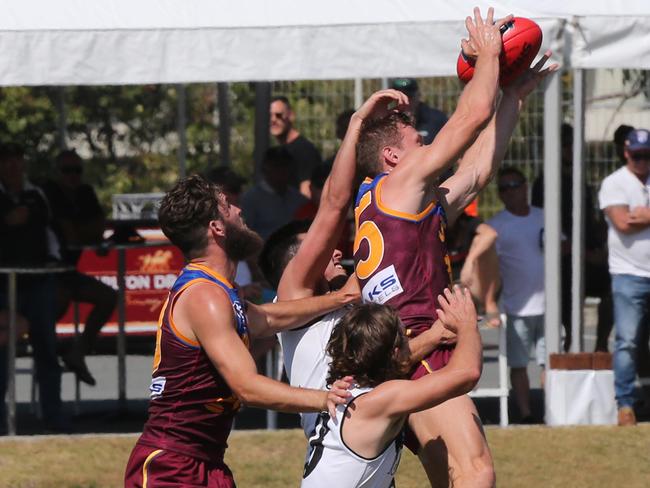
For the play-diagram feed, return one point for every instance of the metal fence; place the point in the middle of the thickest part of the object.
(610, 102)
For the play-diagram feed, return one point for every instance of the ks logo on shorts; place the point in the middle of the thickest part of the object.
(383, 286)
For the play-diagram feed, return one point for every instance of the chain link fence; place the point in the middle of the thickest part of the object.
(613, 97)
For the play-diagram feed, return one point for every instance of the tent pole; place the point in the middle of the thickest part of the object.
(552, 227)
(262, 102)
(358, 92)
(223, 104)
(181, 122)
(578, 217)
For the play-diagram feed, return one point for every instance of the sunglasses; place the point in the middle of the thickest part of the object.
(72, 170)
(644, 156)
(509, 185)
(277, 115)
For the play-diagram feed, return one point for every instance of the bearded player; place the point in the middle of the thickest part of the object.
(400, 255)
(202, 368)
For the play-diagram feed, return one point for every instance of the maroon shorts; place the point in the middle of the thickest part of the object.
(438, 359)
(149, 467)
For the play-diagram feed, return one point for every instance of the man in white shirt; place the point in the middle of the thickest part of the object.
(624, 197)
(519, 246)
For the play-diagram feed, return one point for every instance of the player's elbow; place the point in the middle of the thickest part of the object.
(245, 391)
(469, 378)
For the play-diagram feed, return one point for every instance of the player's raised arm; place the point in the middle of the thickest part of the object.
(270, 318)
(481, 161)
(228, 353)
(475, 106)
(305, 270)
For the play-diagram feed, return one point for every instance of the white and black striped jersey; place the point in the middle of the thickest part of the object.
(331, 463)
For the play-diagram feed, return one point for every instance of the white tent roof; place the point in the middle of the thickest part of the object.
(145, 41)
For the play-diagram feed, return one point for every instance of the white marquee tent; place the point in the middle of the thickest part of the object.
(76, 42)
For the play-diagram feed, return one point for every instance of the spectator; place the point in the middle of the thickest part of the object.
(309, 209)
(597, 280)
(78, 220)
(304, 154)
(428, 120)
(26, 240)
(643, 354)
(316, 184)
(521, 261)
(341, 127)
(624, 199)
(272, 202)
(474, 263)
(620, 134)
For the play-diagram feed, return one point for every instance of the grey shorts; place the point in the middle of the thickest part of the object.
(522, 334)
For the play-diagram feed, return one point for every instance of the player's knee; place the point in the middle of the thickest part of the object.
(483, 474)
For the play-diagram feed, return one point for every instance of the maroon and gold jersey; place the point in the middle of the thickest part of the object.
(400, 259)
(191, 409)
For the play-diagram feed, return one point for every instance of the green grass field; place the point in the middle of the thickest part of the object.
(524, 457)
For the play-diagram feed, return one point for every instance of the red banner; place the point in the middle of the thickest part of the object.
(150, 272)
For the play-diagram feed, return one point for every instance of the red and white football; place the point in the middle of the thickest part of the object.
(522, 39)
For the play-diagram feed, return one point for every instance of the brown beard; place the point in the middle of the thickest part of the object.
(241, 242)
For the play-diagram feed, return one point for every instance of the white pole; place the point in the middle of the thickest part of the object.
(552, 219)
(358, 92)
(578, 217)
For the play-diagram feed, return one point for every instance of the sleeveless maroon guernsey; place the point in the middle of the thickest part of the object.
(400, 259)
(191, 409)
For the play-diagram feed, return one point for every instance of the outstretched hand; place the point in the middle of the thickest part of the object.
(457, 311)
(381, 103)
(484, 36)
(338, 394)
(531, 78)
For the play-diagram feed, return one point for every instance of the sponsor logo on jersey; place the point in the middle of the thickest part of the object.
(383, 286)
(157, 386)
(242, 322)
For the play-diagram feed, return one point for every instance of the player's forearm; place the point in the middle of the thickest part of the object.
(467, 358)
(338, 187)
(487, 152)
(422, 345)
(267, 393)
(294, 313)
(478, 97)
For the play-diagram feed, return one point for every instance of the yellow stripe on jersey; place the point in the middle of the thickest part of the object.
(145, 466)
(157, 355)
(426, 366)
(211, 272)
(396, 213)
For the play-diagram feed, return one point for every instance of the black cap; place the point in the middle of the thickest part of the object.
(407, 86)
